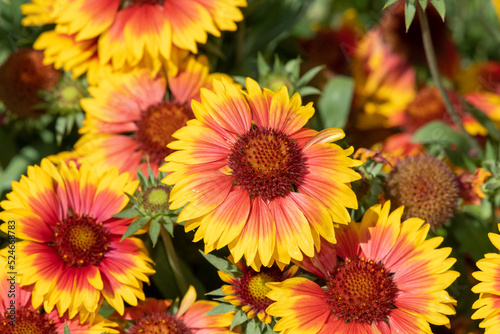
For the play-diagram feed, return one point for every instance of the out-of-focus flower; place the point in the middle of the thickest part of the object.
(22, 76)
(382, 276)
(248, 289)
(470, 185)
(427, 188)
(251, 177)
(71, 251)
(409, 43)
(134, 103)
(488, 304)
(384, 84)
(496, 4)
(156, 316)
(334, 47)
(131, 34)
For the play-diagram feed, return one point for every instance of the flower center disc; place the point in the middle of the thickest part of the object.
(155, 199)
(254, 289)
(80, 241)
(159, 323)
(27, 322)
(361, 291)
(156, 127)
(266, 163)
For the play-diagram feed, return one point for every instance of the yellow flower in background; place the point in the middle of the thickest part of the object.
(130, 34)
(249, 175)
(488, 304)
(496, 4)
(384, 83)
(71, 252)
(382, 276)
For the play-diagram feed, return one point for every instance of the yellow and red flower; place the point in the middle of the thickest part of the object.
(249, 290)
(71, 253)
(155, 314)
(19, 315)
(129, 122)
(384, 83)
(134, 33)
(250, 177)
(488, 304)
(382, 276)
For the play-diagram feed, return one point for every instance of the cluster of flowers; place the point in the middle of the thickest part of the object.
(312, 247)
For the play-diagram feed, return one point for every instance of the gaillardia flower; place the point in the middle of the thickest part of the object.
(18, 315)
(382, 276)
(250, 177)
(71, 253)
(156, 316)
(488, 304)
(129, 121)
(249, 290)
(135, 33)
(427, 188)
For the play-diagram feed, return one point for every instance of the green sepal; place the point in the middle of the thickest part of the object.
(217, 292)
(221, 309)
(136, 226)
(262, 65)
(440, 7)
(410, 10)
(334, 104)
(222, 264)
(239, 318)
(154, 230)
(66, 329)
(309, 75)
(127, 213)
(389, 2)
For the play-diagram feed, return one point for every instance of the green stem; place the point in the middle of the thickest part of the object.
(173, 260)
(430, 55)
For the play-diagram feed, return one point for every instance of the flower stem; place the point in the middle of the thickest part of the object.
(173, 260)
(430, 55)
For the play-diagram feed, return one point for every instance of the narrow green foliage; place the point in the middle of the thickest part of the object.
(221, 264)
(440, 7)
(410, 10)
(334, 104)
(66, 329)
(221, 309)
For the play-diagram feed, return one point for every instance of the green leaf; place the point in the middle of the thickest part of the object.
(472, 235)
(239, 318)
(136, 226)
(253, 327)
(293, 68)
(389, 2)
(169, 225)
(66, 329)
(221, 309)
(127, 213)
(410, 10)
(335, 102)
(440, 7)
(221, 264)
(442, 133)
(309, 75)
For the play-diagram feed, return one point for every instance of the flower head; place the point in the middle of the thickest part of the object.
(125, 123)
(71, 252)
(159, 316)
(250, 177)
(427, 188)
(488, 304)
(248, 289)
(19, 315)
(382, 276)
(128, 34)
(23, 75)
